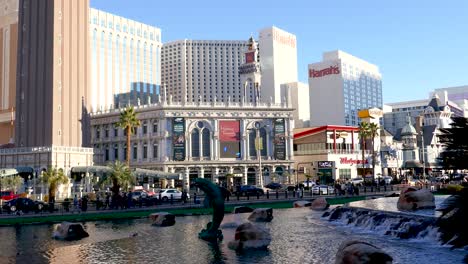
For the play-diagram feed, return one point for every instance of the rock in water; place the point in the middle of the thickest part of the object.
(414, 199)
(242, 209)
(162, 219)
(70, 231)
(249, 236)
(261, 215)
(358, 252)
(300, 204)
(320, 204)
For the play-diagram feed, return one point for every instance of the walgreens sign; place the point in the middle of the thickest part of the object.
(327, 71)
(352, 161)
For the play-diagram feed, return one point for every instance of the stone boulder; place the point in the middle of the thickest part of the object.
(319, 204)
(358, 252)
(261, 215)
(300, 204)
(249, 236)
(242, 209)
(413, 199)
(69, 231)
(162, 219)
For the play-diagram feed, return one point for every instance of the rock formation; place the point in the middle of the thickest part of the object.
(358, 252)
(70, 231)
(414, 199)
(242, 209)
(319, 204)
(162, 219)
(300, 204)
(261, 215)
(249, 236)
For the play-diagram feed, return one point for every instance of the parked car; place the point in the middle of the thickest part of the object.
(176, 194)
(8, 195)
(387, 179)
(273, 186)
(308, 184)
(137, 194)
(357, 181)
(323, 189)
(24, 205)
(249, 189)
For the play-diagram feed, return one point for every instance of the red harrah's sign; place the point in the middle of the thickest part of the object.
(326, 71)
(352, 161)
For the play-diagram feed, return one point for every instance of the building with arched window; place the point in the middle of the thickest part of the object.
(204, 140)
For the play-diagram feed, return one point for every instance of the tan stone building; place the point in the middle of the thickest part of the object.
(8, 58)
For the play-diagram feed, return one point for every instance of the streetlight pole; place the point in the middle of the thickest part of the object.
(259, 155)
(423, 159)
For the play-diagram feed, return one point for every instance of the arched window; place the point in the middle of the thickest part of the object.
(206, 142)
(263, 135)
(252, 150)
(195, 143)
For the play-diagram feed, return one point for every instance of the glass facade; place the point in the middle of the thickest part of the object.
(361, 90)
(125, 63)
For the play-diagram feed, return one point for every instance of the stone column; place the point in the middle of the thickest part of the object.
(200, 143)
(188, 146)
(201, 172)
(211, 145)
(247, 142)
(244, 178)
(215, 174)
(186, 181)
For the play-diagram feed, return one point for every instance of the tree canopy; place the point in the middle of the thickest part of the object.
(119, 177)
(53, 177)
(128, 121)
(455, 142)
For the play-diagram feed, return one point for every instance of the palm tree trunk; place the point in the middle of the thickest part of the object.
(373, 159)
(52, 193)
(128, 145)
(363, 150)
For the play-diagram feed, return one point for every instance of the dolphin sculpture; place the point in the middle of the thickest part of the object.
(215, 199)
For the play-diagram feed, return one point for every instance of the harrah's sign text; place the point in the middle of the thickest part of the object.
(327, 71)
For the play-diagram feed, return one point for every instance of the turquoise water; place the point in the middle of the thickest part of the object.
(298, 236)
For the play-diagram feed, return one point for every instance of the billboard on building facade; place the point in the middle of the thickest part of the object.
(250, 57)
(229, 138)
(178, 138)
(280, 140)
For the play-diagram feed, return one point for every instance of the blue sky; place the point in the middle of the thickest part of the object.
(418, 45)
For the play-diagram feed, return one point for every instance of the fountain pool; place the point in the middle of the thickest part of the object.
(298, 236)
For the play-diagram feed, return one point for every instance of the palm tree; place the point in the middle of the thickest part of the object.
(363, 135)
(53, 177)
(129, 122)
(119, 176)
(373, 133)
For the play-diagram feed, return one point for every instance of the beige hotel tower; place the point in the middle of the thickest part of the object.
(52, 82)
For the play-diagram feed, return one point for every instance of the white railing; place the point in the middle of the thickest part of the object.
(46, 149)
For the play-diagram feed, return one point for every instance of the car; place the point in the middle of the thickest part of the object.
(273, 186)
(166, 194)
(8, 195)
(24, 205)
(308, 184)
(323, 189)
(137, 194)
(244, 190)
(387, 179)
(357, 181)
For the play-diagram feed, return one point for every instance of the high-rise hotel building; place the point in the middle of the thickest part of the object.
(125, 61)
(202, 70)
(341, 85)
(8, 57)
(209, 70)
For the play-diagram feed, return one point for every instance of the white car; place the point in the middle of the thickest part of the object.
(357, 181)
(323, 189)
(176, 194)
(308, 184)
